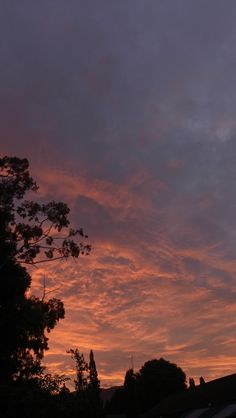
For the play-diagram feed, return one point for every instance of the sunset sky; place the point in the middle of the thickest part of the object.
(126, 111)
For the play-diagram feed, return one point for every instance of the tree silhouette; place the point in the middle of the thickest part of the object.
(93, 381)
(81, 367)
(29, 233)
(158, 379)
(93, 391)
(202, 381)
(130, 394)
(87, 385)
(141, 391)
(33, 230)
(191, 383)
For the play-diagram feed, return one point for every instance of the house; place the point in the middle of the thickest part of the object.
(216, 398)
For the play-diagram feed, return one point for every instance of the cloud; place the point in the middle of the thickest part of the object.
(126, 111)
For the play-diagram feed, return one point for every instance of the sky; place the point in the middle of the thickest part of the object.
(126, 111)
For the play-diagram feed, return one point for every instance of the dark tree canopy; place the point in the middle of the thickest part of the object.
(93, 381)
(202, 381)
(86, 373)
(87, 385)
(155, 380)
(81, 367)
(30, 232)
(192, 383)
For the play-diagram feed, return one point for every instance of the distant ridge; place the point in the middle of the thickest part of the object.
(107, 393)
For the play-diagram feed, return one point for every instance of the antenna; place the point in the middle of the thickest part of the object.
(132, 361)
(44, 288)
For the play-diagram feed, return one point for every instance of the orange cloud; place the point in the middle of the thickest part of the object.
(139, 292)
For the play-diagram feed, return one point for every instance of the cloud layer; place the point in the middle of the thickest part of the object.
(126, 110)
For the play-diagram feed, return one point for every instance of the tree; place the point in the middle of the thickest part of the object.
(81, 381)
(30, 229)
(86, 373)
(87, 385)
(156, 380)
(130, 394)
(53, 384)
(94, 387)
(202, 381)
(191, 383)
(141, 391)
(29, 233)
(93, 381)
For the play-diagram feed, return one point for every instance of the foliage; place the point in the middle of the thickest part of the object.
(31, 229)
(28, 399)
(81, 367)
(54, 384)
(202, 381)
(87, 385)
(191, 383)
(141, 391)
(93, 382)
(156, 380)
(30, 232)
(23, 325)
